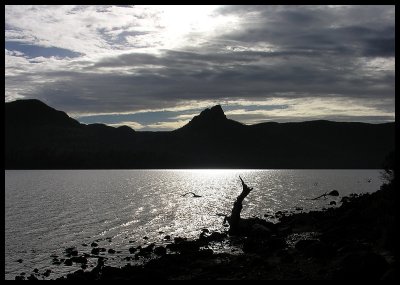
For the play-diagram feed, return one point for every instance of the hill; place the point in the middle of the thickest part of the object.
(40, 137)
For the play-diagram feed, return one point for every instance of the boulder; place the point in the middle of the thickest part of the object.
(334, 193)
(95, 251)
(68, 262)
(160, 250)
(362, 266)
(260, 231)
(79, 259)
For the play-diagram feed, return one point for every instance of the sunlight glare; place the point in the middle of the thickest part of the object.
(180, 21)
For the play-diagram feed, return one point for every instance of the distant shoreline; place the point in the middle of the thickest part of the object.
(40, 137)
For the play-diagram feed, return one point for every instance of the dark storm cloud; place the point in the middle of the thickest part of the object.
(204, 78)
(318, 30)
(275, 51)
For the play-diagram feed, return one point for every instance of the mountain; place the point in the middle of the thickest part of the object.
(33, 112)
(210, 121)
(40, 137)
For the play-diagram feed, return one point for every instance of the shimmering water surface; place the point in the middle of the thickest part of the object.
(48, 211)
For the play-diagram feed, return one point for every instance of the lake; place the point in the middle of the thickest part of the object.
(47, 211)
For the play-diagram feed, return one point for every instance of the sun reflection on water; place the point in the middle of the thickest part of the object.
(128, 205)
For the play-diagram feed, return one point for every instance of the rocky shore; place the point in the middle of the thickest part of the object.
(353, 241)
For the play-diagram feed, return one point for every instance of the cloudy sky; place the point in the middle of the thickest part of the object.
(155, 67)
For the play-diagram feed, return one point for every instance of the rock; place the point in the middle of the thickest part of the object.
(47, 273)
(95, 251)
(56, 262)
(109, 272)
(206, 252)
(217, 236)
(362, 265)
(167, 237)
(251, 245)
(334, 193)
(131, 241)
(68, 262)
(132, 249)
(19, 277)
(84, 244)
(79, 259)
(36, 270)
(19, 260)
(258, 230)
(94, 244)
(160, 250)
(77, 275)
(332, 203)
(111, 251)
(71, 251)
(146, 250)
(345, 200)
(315, 248)
(284, 230)
(206, 237)
(179, 240)
(32, 277)
(145, 238)
(287, 257)
(276, 243)
(301, 245)
(100, 262)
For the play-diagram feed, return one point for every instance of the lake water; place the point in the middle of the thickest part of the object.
(48, 211)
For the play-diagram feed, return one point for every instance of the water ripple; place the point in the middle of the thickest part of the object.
(47, 211)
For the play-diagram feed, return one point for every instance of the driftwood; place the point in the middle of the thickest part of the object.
(234, 219)
(194, 194)
(332, 193)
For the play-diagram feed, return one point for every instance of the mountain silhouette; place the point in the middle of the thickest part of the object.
(40, 137)
(210, 121)
(32, 112)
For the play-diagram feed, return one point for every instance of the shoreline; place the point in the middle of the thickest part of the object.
(353, 241)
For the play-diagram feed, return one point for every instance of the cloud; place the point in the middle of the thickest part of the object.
(135, 59)
(133, 125)
(168, 125)
(306, 109)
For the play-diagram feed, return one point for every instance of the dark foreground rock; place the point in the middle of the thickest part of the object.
(353, 241)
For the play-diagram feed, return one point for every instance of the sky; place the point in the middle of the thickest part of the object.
(155, 67)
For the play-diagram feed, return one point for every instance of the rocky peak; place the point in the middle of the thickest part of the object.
(214, 114)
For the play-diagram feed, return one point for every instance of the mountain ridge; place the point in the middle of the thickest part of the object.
(209, 140)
